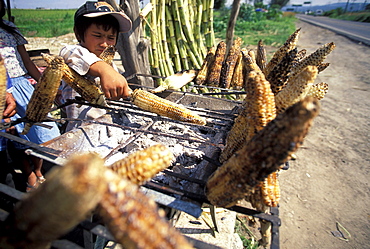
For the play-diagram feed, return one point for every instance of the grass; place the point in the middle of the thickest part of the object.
(355, 16)
(271, 32)
(44, 23)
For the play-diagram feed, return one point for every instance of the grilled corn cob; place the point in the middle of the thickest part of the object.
(314, 59)
(261, 55)
(86, 88)
(318, 90)
(249, 62)
(44, 94)
(151, 102)
(258, 110)
(278, 77)
(299, 57)
(202, 74)
(133, 218)
(214, 70)
(141, 166)
(2, 87)
(55, 207)
(262, 155)
(296, 89)
(108, 54)
(229, 64)
(322, 66)
(237, 79)
(290, 44)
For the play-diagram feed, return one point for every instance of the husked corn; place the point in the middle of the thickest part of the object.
(289, 44)
(279, 75)
(322, 66)
(108, 54)
(258, 110)
(214, 71)
(262, 155)
(44, 94)
(261, 58)
(237, 79)
(143, 165)
(163, 107)
(314, 59)
(318, 90)
(296, 88)
(202, 74)
(134, 219)
(67, 197)
(229, 64)
(86, 88)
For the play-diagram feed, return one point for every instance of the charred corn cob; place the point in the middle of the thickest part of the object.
(151, 102)
(278, 77)
(2, 87)
(108, 54)
(296, 89)
(133, 218)
(261, 55)
(249, 62)
(290, 44)
(143, 165)
(299, 57)
(262, 155)
(86, 88)
(202, 74)
(214, 70)
(258, 110)
(314, 59)
(55, 207)
(318, 90)
(237, 79)
(44, 94)
(229, 64)
(322, 66)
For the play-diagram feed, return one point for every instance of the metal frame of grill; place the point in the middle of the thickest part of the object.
(189, 199)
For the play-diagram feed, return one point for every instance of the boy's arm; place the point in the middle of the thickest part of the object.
(113, 84)
(28, 63)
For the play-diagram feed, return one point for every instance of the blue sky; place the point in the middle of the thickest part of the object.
(74, 4)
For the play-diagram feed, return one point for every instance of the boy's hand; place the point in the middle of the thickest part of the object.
(10, 106)
(113, 84)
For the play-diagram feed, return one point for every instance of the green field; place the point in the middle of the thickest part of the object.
(43, 23)
(52, 23)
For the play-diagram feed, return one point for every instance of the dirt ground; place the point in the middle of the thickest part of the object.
(326, 190)
(329, 181)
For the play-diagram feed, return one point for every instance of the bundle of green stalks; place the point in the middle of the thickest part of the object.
(181, 33)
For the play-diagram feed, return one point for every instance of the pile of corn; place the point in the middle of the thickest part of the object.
(281, 101)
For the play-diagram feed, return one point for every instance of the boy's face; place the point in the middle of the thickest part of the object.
(97, 39)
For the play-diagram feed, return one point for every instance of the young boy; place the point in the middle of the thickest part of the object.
(96, 26)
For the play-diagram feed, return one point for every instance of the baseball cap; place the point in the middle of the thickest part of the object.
(94, 9)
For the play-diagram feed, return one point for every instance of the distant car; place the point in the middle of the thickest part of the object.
(319, 12)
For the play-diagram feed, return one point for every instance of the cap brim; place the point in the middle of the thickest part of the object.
(124, 21)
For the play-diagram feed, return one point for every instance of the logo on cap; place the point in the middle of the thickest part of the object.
(103, 7)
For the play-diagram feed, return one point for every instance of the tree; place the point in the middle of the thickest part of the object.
(281, 3)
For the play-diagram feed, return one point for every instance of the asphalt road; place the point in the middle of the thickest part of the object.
(358, 31)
